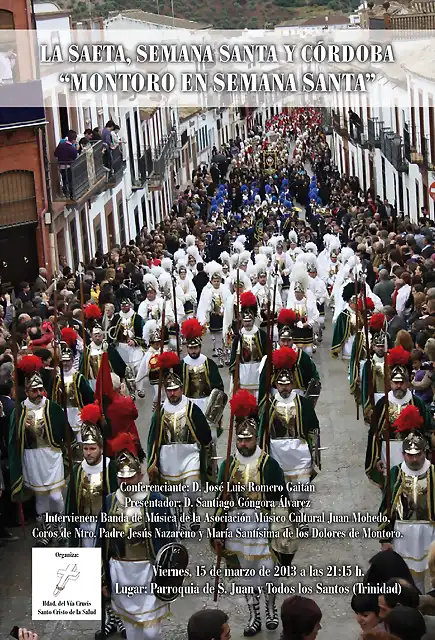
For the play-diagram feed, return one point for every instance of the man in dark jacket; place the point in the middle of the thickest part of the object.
(200, 280)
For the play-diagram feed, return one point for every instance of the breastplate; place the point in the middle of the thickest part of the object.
(284, 424)
(413, 499)
(35, 436)
(198, 387)
(126, 331)
(378, 376)
(71, 400)
(154, 313)
(92, 491)
(175, 428)
(217, 308)
(250, 350)
(127, 547)
(301, 311)
(333, 270)
(245, 474)
(94, 362)
(394, 410)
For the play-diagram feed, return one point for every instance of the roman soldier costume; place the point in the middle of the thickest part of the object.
(333, 266)
(91, 357)
(134, 539)
(406, 413)
(290, 432)
(264, 292)
(242, 536)
(211, 308)
(378, 342)
(358, 354)
(126, 335)
(200, 374)
(37, 439)
(148, 373)
(303, 302)
(179, 437)
(345, 327)
(306, 379)
(78, 391)
(252, 347)
(412, 513)
(151, 309)
(87, 479)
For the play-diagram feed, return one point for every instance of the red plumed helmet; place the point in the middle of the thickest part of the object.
(370, 305)
(398, 356)
(122, 442)
(243, 404)
(192, 329)
(91, 413)
(287, 317)
(377, 322)
(168, 359)
(92, 312)
(284, 358)
(30, 364)
(409, 419)
(69, 336)
(247, 299)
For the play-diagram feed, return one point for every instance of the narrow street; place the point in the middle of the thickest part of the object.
(341, 488)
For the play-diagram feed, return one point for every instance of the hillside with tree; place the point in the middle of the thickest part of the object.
(222, 14)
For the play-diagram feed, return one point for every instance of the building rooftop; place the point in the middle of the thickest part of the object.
(155, 18)
(188, 112)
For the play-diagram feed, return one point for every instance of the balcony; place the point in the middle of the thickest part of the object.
(374, 127)
(83, 177)
(420, 154)
(393, 149)
(407, 142)
(162, 156)
(13, 113)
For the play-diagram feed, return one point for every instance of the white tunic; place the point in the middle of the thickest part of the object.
(142, 609)
(179, 463)
(42, 468)
(292, 454)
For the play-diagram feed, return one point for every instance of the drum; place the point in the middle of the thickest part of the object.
(170, 571)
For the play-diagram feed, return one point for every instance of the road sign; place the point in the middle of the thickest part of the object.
(432, 190)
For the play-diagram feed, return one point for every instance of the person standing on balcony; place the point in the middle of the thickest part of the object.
(65, 153)
(106, 137)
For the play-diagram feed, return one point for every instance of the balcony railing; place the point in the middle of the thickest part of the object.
(407, 142)
(374, 132)
(162, 156)
(74, 180)
(393, 149)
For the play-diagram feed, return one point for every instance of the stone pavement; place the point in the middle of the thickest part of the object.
(341, 488)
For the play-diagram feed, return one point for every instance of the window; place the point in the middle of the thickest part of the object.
(73, 238)
(98, 237)
(144, 211)
(136, 220)
(85, 236)
(121, 222)
(17, 198)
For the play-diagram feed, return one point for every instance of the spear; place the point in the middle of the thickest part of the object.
(387, 427)
(80, 275)
(63, 401)
(227, 467)
(159, 388)
(177, 327)
(356, 341)
(271, 321)
(369, 361)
